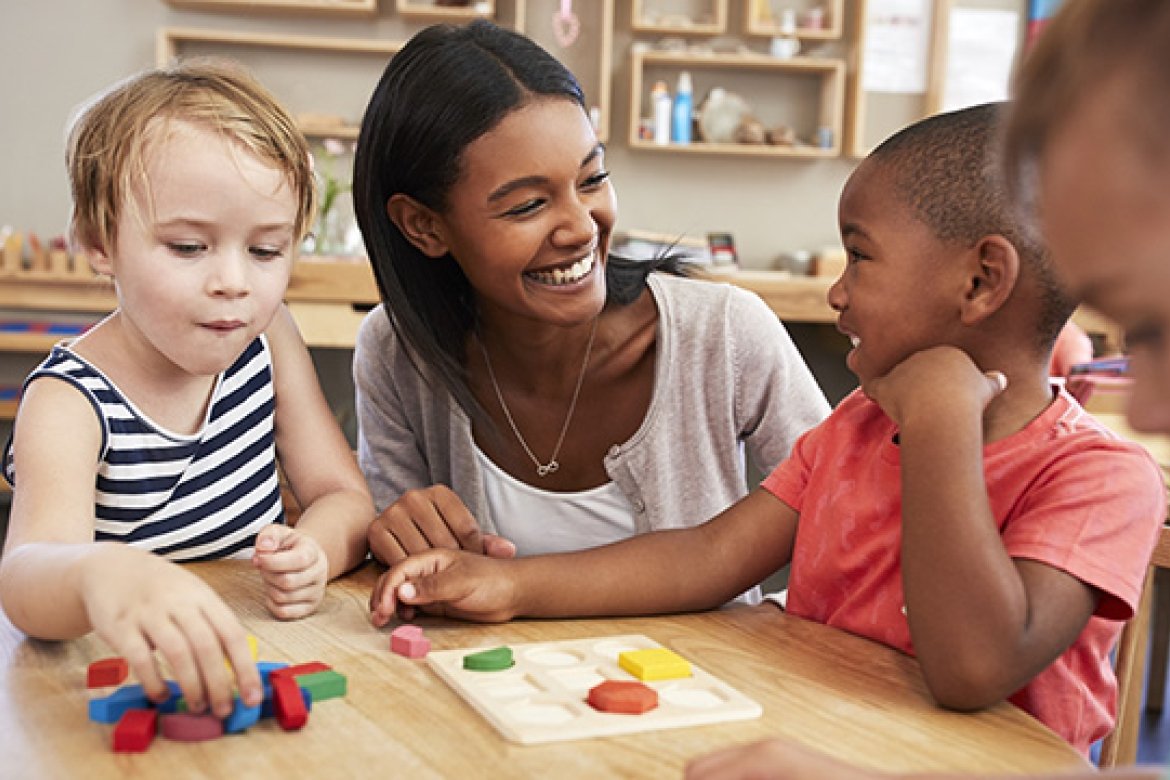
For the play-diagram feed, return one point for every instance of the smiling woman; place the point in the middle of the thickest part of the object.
(521, 389)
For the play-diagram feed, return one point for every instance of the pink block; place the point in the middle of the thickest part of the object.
(188, 727)
(409, 641)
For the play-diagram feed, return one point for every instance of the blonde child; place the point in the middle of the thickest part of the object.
(152, 439)
(957, 507)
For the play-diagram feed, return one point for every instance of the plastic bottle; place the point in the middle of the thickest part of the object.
(660, 97)
(683, 113)
(786, 45)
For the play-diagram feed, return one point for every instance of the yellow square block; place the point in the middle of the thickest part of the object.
(655, 663)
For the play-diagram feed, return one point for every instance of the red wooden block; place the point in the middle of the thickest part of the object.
(292, 672)
(409, 641)
(626, 696)
(107, 671)
(135, 731)
(287, 703)
(189, 727)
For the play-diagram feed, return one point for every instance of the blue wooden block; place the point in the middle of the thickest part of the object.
(241, 717)
(266, 667)
(109, 709)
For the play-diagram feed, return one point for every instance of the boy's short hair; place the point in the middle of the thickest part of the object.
(947, 168)
(109, 139)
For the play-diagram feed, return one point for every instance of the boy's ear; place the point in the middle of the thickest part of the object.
(98, 256)
(994, 272)
(418, 223)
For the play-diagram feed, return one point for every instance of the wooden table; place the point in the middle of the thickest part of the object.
(845, 695)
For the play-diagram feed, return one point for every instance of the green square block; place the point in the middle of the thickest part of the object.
(323, 685)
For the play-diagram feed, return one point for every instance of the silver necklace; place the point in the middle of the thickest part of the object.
(542, 469)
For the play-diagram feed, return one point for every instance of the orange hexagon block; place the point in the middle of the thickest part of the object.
(626, 696)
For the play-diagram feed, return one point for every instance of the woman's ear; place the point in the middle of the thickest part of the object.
(418, 223)
(994, 273)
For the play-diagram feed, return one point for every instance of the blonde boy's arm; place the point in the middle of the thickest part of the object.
(664, 571)
(314, 455)
(57, 583)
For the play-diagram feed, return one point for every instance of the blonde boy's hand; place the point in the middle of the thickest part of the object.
(772, 759)
(446, 582)
(295, 571)
(431, 518)
(935, 382)
(141, 604)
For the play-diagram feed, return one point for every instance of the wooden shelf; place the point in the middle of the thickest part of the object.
(7, 412)
(759, 20)
(827, 75)
(484, 9)
(170, 39)
(333, 7)
(642, 20)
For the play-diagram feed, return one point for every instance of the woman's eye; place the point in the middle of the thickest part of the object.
(596, 180)
(1145, 336)
(527, 207)
(855, 256)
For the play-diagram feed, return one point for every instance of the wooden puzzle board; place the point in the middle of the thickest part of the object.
(541, 698)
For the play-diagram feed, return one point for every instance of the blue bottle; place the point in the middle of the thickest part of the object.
(682, 115)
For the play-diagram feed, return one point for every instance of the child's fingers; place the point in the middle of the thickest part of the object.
(382, 601)
(139, 655)
(498, 547)
(233, 640)
(173, 643)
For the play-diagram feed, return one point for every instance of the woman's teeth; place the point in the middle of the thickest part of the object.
(855, 341)
(574, 273)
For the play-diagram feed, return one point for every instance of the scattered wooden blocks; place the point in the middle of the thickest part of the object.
(292, 672)
(241, 717)
(135, 731)
(654, 663)
(107, 671)
(110, 709)
(495, 660)
(408, 640)
(323, 685)
(625, 696)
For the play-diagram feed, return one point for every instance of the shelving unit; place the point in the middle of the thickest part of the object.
(647, 16)
(480, 9)
(759, 19)
(338, 7)
(171, 41)
(803, 93)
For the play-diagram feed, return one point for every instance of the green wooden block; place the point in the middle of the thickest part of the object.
(323, 685)
(494, 660)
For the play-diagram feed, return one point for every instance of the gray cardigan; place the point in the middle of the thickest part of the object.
(726, 372)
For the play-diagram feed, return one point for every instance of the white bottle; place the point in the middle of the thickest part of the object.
(660, 98)
(786, 45)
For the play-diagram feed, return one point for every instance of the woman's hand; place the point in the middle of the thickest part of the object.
(431, 518)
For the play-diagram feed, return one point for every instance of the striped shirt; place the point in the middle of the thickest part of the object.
(185, 497)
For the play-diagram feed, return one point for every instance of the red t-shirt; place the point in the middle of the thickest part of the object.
(1065, 491)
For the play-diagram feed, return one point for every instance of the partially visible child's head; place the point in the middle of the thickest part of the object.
(1088, 154)
(947, 170)
(111, 138)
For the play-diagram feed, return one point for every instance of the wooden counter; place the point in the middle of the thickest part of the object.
(847, 696)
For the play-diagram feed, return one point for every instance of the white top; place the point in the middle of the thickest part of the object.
(543, 521)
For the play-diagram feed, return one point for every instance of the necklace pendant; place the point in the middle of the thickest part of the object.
(548, 468)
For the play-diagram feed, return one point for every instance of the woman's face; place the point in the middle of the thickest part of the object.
(1105, 212)
(530, 218)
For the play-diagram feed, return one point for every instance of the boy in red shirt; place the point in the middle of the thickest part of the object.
(958, 506)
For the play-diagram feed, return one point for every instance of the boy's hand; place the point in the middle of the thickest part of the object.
(141, 604)
(772, 759)
(936, 381)
(447, 582)
(295, 571)
(431, 518)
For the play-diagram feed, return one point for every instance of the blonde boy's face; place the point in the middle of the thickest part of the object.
(1105, 212)
(203, 254)
(896, 295)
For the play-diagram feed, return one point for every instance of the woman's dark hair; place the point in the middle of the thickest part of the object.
(447, 87)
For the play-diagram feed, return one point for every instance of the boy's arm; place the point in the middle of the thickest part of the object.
(983, 624)
(314, 455)
(57, 583)
(663, 571)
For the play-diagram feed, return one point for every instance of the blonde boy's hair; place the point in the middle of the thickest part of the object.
(1086, 45)
(109, 140)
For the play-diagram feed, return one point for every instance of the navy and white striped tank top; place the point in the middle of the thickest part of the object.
(188, 498)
